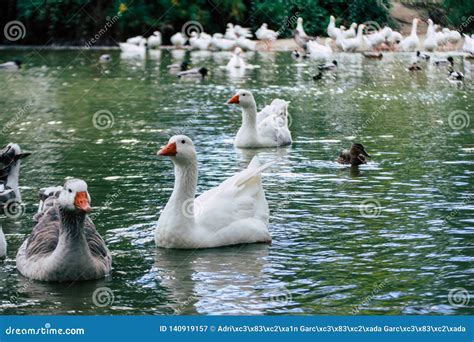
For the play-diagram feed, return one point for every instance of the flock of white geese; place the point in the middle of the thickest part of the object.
(358, 37)
(64, 244)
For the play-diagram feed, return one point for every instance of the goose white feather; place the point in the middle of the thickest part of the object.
(236, 60)
(411, 42)
(430, 43)
(178, 39)
(269, 128)
(235, 212)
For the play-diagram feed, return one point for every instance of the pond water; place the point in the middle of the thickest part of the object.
(394, 236)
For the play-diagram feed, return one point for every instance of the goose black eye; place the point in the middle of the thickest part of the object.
(244, 94)
(183, 141)
(69, 190)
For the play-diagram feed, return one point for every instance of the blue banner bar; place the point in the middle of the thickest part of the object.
(277, 328)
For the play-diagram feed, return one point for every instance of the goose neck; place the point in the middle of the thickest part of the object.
(185, 181)
(249, 116)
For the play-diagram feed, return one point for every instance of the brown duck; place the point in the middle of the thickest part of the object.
(355, 156)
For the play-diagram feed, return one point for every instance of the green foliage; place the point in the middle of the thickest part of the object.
(76, 21)
(460, 14)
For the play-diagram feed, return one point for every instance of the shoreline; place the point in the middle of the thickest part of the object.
(287, 44)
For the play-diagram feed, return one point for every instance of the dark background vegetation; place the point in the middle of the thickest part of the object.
(77, 21)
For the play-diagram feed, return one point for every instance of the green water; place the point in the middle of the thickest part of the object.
(326, 257)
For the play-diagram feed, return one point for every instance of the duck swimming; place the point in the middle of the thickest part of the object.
(12, 65)
(10, 160)
(414, 67)
(356, 155)
(196, 73)
(64, 245)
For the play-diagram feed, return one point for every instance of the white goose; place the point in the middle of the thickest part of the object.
(264, 33)
(3, 244)
(65, 245)
(430, 43)
(237, 61)
(230, 32)
(154, 40)
(134, 40)
(178, 39)
(352, 44)
(200, 41)
(300, 28)
(411, 42)
(318, 51)
(219, 42)
(351, 32)
(269, 128)
(246, 44)
(235, 212)
(468, 45)
(134, 49)
(332, 30)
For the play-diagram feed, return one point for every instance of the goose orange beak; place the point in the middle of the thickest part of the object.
(234, 100)
(81, 201)
(168, 150)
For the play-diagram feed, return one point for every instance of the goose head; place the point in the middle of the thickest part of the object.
(10, 156)
(180, 149)
(332, 19)
(244, 98)
(74, 196)
(300, 21)
(353, 26)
